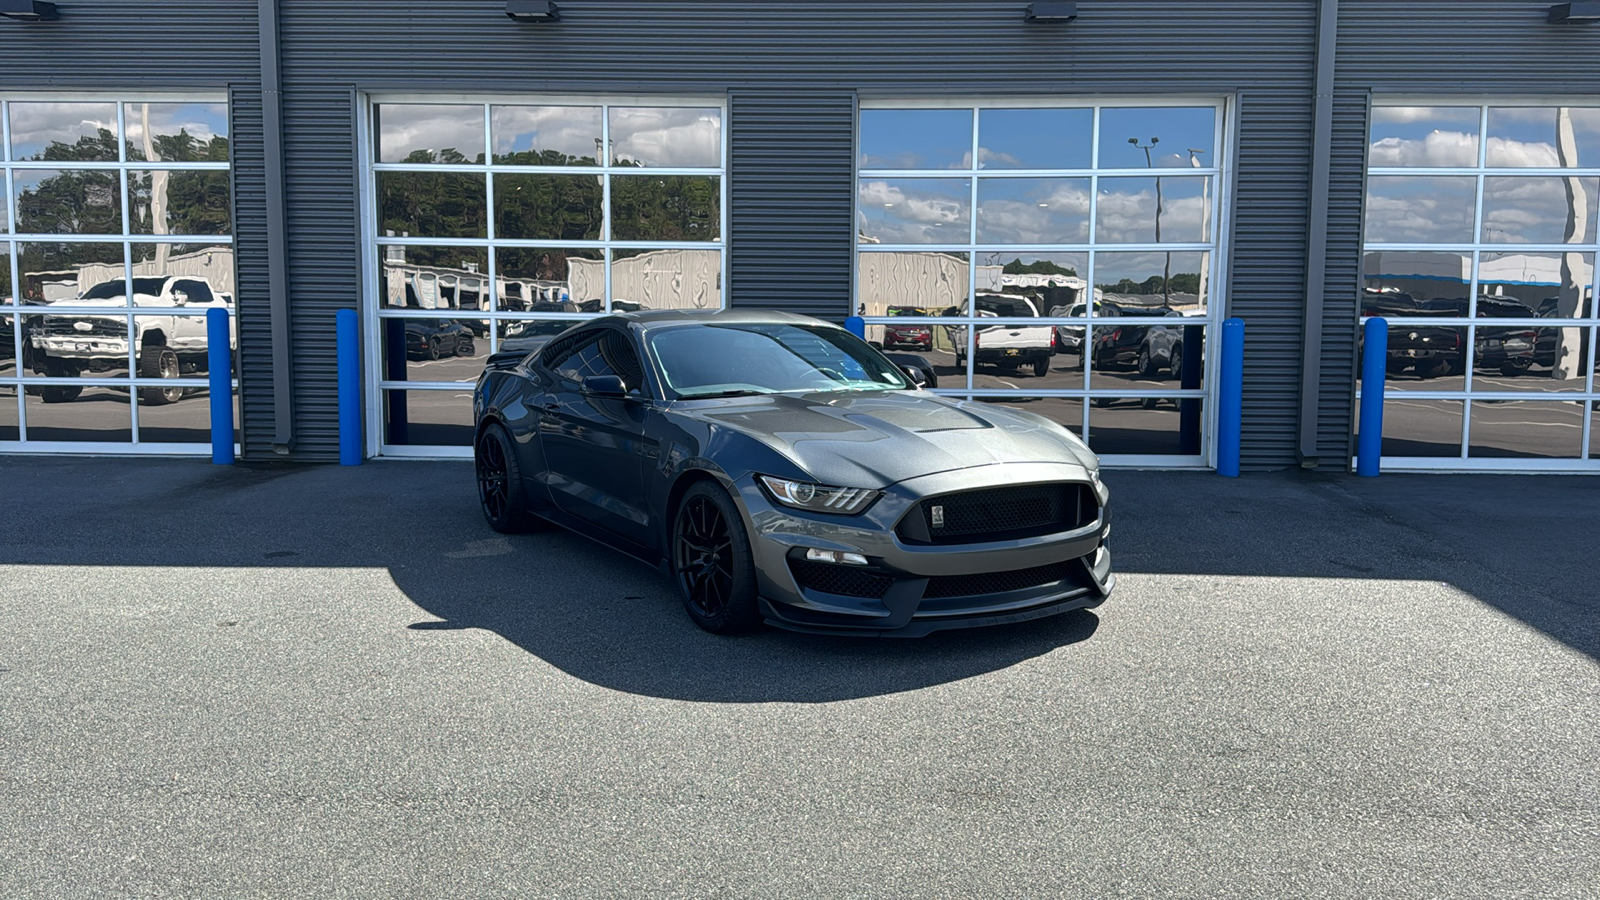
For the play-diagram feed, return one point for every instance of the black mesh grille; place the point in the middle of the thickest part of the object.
(846, 580)
(1000, 513)
(99, 327)
(1000, 582)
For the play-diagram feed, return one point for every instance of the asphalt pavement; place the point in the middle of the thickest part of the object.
(308, 681)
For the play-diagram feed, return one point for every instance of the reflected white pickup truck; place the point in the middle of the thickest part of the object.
(165, 346)
(1011, 344)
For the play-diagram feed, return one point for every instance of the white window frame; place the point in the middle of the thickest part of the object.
(373, 312)
(1222, 160)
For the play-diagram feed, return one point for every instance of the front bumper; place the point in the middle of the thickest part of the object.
(924, 588)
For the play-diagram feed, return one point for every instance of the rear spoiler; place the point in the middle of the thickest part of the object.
(514, 351)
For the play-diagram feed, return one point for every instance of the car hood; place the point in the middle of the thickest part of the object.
(118, 301)
(877, 438)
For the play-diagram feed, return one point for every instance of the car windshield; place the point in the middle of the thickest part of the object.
(726, 359)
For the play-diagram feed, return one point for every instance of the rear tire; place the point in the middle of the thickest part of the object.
(1175, 361)
(1041, 367)
(712, 563)
(501, 494)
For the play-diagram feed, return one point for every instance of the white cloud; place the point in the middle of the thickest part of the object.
(896, 216)
(1439, 148)
(1130, 217)
(564, 129)
(407, 128)
(35, 126)
(667, 136)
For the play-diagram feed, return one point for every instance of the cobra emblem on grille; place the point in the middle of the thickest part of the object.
(937, 514)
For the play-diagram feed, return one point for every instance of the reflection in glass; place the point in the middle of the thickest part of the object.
(1189, 132)
(92, 413)
(68, 201)
(1064, 411)
(1422, 355)
(1526, 285)
(177, 132)
(1153, 210)
(188, 422)
(1416, 427)
(81, 132)
(1143, 356)
(8, 346)
(166, 202)
(1425, 136)
(1398, 281)
(548, 279)
(1120, 425)
(665, 279)
(1033, 210)
(549, 207)
(666, 207)
(77, 346)
(1503, 429)
(1035, 138)
(545, 135)
(1434, 209)
(10, 418)
(434, 277)
(916, 139)
(1533, 210)
(1538, 137)
(434, 349)
(912, 283)
(914, 210)
(5, 206)
(666, 137)
(423, 417)
(1153, 279)
(1022, 373)
(429, 133)
(6, 294)
(59, 272)
(529, 334)
(433, 204)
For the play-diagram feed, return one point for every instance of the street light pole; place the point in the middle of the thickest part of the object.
(1166, 272)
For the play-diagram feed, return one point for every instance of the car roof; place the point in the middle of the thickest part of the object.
(659, 318)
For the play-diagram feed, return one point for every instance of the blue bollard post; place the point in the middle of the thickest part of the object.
(1374, 357)
(349, 346)
(219, 367)
(1230, 398)
(856, 326)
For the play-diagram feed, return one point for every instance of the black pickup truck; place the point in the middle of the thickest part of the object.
(1428, 350)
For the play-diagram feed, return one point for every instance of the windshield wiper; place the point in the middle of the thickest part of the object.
(739, 392)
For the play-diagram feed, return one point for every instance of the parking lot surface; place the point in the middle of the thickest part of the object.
(315, 681)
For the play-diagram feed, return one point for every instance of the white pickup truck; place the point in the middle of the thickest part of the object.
(1009, 345)
(66, 345)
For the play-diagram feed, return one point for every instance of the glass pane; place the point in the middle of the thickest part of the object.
(666, 208)
(540, 279)
(1056, 278)
(549, 207)
(1398, 282)
(911, 283)
(83, 132)
(1420, 209)
(1033, 210)
(1431, 136)
(1148, 356)
(433, 277)
(434, 349)
(10, 418)
(177, 132)
(1010, 357)
(528, 334)
(203, 273)
(1153, 210)
(916, 139)
(1503, 429)
(1128, 425)
(433, 204)
(668, 137)
(1160, 138)
(915, 211)
(1035, 138)
(1413, 428)
(59, 272)
(429, 133)
(1064, 411)
(188, 422)
(1534, 210)
(5, 205)
(7, 296)
(1422, 355)
(78, 346)
(1524, 285)
(666, 279)
(546, 135)
(1523, 357)
(179, 203)
(1537, 137)
(440, 417)
(8, 347)
(1144, 283)
(68, 201)
(78, 413)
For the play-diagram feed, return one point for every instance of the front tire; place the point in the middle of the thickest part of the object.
(711, 561)
(159, 361)
(501, 494)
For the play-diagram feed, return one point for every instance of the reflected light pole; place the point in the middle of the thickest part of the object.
(1166, 273)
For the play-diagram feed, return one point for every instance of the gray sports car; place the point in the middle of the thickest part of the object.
(781, 469)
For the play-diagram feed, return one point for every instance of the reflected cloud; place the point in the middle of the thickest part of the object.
(667, 137)
(35, 126)
(429, 132)
(915, 210)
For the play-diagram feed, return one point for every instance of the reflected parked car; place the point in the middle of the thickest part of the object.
(1511, 349)
(917, 337)
(435, 338)
(1145, 348)
(1010, 346)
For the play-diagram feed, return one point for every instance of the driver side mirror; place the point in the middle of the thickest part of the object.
(916, 376)
(605, 386)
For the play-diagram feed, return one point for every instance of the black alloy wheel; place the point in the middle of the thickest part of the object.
(500, 491)
(712, 563)
(434, 351)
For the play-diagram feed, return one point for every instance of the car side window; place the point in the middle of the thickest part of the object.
(607, 353)
(198, 291)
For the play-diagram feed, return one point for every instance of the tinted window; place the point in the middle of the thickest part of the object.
(760, 358)
(197, 290)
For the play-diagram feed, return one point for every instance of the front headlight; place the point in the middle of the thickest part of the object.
(844, 501)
